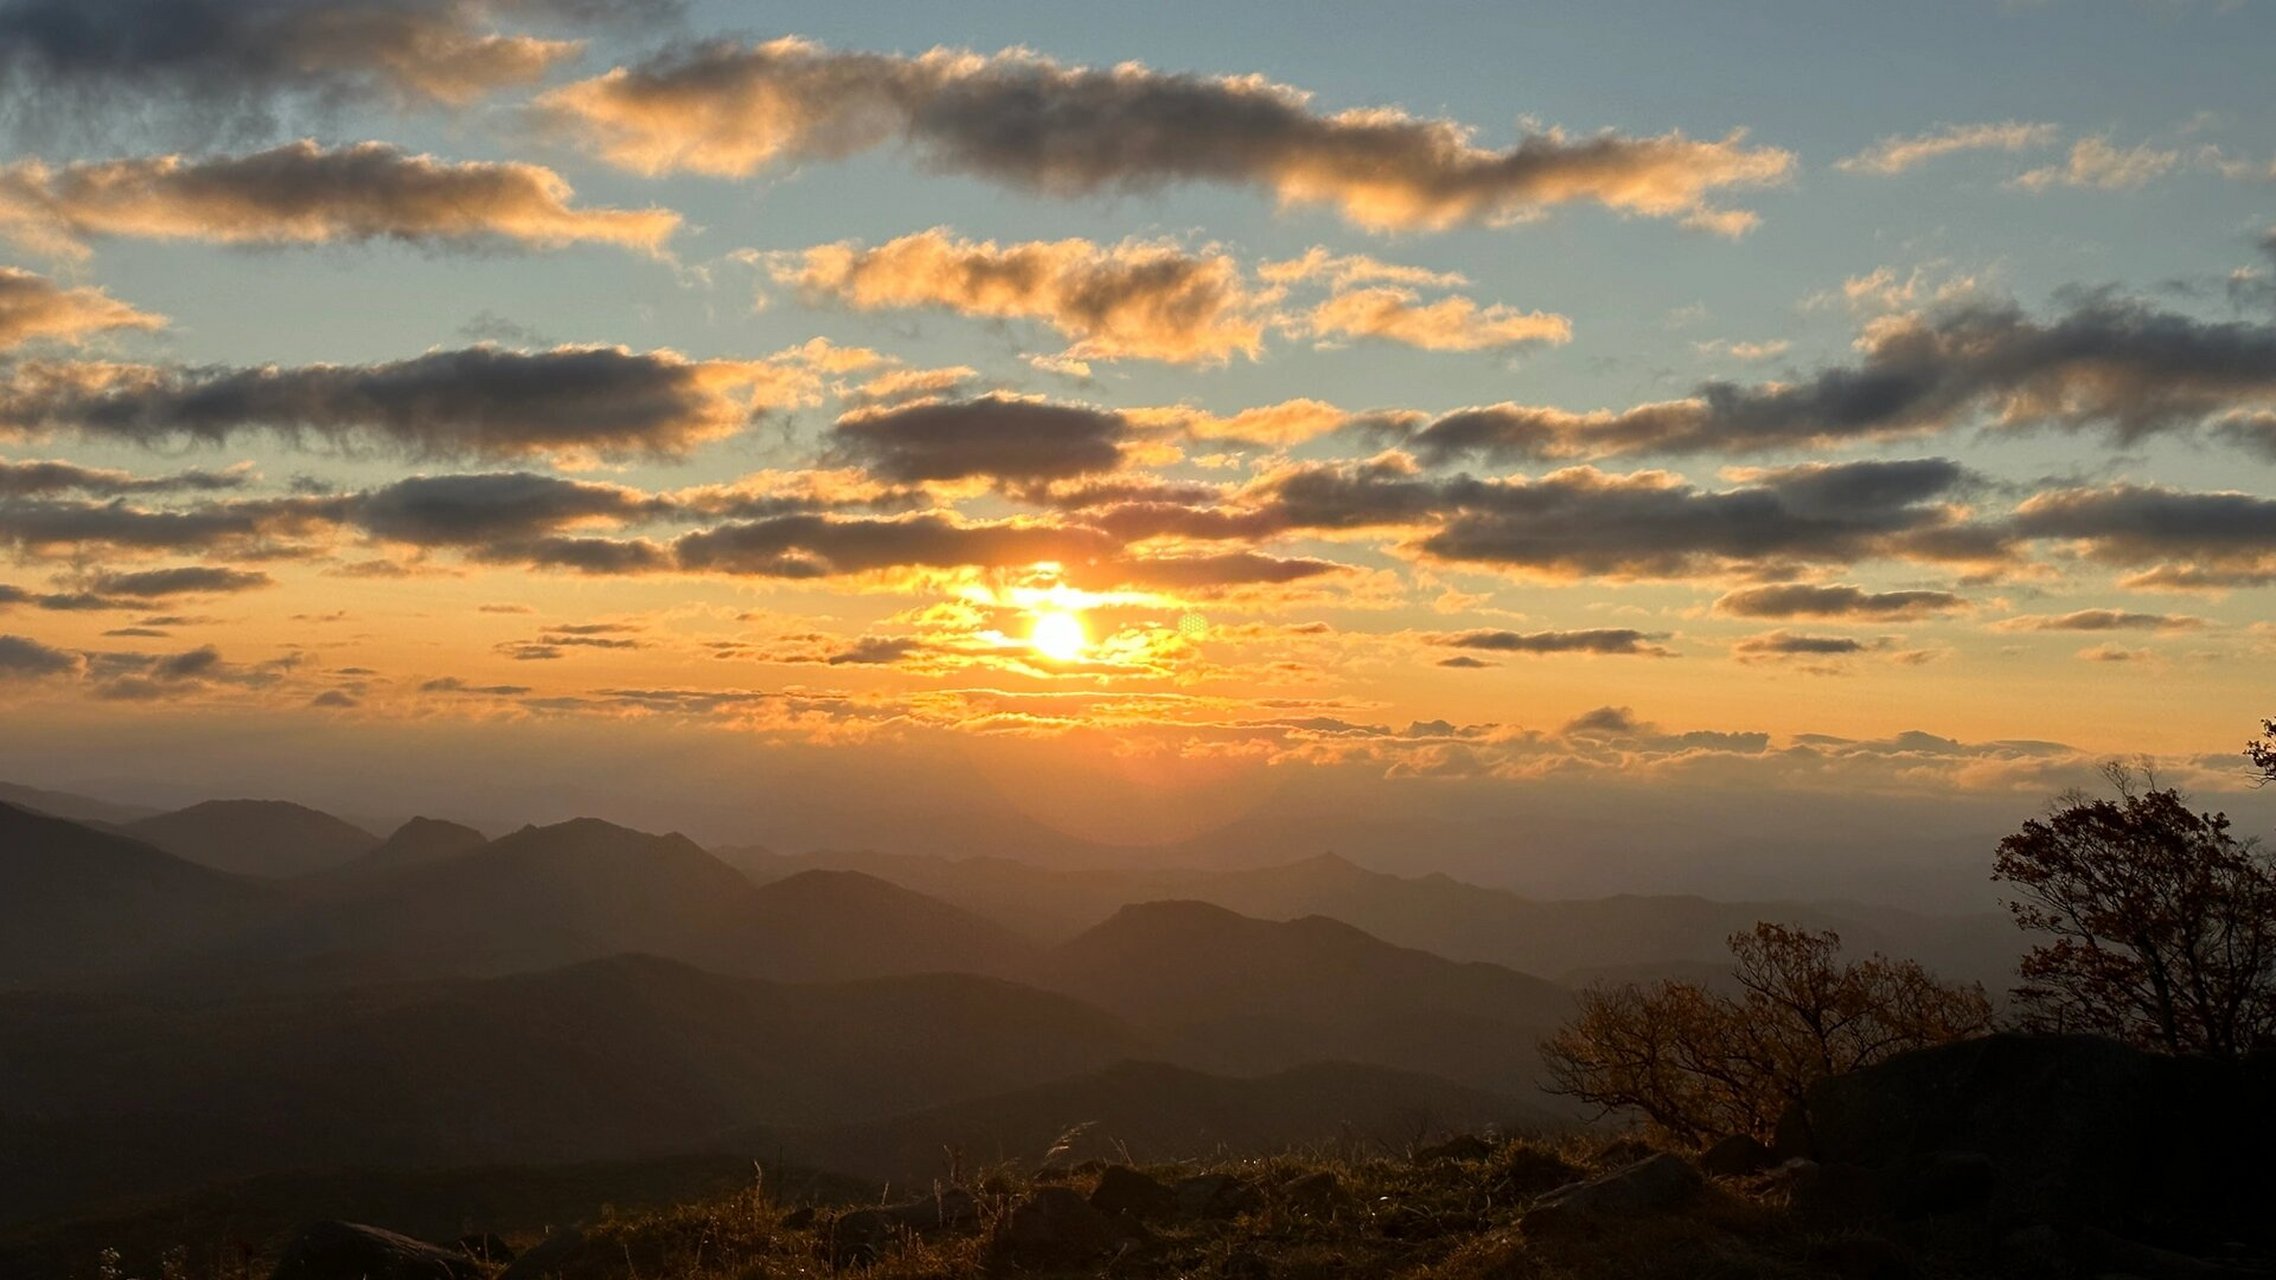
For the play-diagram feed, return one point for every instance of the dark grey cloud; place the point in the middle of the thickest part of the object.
(1207, 572)
(20, 479)
(304, 193)
(1788, 644)
(454, 684)
(1037, 125)
(494, 509)
(2108, 363)
(1597, 640)
(24, 658)
(2192, 539)
(181, 580)
(1804, 600)
(477, 401)
(812, 546)
(189, 67)
(63, 525)
(998, 437)
(2101, 620)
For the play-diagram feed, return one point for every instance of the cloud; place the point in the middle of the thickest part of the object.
(1206, 573)
(730, 110)
(2114, 653)
(813, 546)
(183, 580)
(1620, 641)
(998, 437)
(500, 509)
(1803, 600)
(1789, 644)
(302, 193)
(476, 401)
(73, 526)
(190, 67)
(2108, 363)
(2100, 620)
(2190, 540)
(1897, 154)
(2100, 164)
(21, 479)
(1584, 522)
(32, 306)
(23, 658)
(1449, 324)
(1145, 299)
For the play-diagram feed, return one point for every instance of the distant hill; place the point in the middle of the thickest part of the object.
(273, 838)
(1570, 941)
(1148, 1112)
(416, 843)
(613, 1059)
(580, 890)
(76, 808)
(76, 902)
(1243, 994)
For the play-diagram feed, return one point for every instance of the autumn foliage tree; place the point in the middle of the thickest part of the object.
(2160, 925)
(1699, 1065)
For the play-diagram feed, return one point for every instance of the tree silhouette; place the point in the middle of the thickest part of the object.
(2161, 925)
(1699, 1065)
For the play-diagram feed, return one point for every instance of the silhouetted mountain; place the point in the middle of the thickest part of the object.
(75, 901)
(1247, 995)
(1568, 940)
(835, 924)
(1147, 1111)
(416, 844)
(74, 808)
(580, 890)
(616, 1058)
(255, 837)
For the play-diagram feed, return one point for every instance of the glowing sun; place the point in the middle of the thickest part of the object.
(1059, 636)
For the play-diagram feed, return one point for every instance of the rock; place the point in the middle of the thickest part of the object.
(2080, 1131)
(1315, 1192)
(1054, 1227)
(1215, 1195)
(2112, 1253)
(351, 1251)
(1861, 1258)
(549, 1257)
(1833, 1194)
(1736, 1157)
(1942, 1182)
(2035, 1252)
(1527, 1171)
(1623, 1152)
(1660, 1182)
(1126, 1192)
(1465, 1146)
(863, 1234)
(483, 1246)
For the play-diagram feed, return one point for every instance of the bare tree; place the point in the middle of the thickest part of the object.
(1699, 1065)
(2160, 925)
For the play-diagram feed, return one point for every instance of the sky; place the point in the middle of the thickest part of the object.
(1638, 444)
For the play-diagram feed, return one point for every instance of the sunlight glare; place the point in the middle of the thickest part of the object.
(1059, 636)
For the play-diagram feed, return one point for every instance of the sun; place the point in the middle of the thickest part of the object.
(1059, 636)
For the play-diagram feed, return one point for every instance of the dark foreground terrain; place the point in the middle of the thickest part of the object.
(2008, 1156)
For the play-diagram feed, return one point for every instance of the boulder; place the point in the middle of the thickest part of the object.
(483, 1246)
(1315, 1192)
(1736, 1157)
(550, 1257)
(1125, 1192)
(2074, 1131)
(862, 1234)
(1462, 1146)
(1054, 1227)
(1659, 1182)
(352, 1251)
(1214, 1195)
(1833, 1194)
